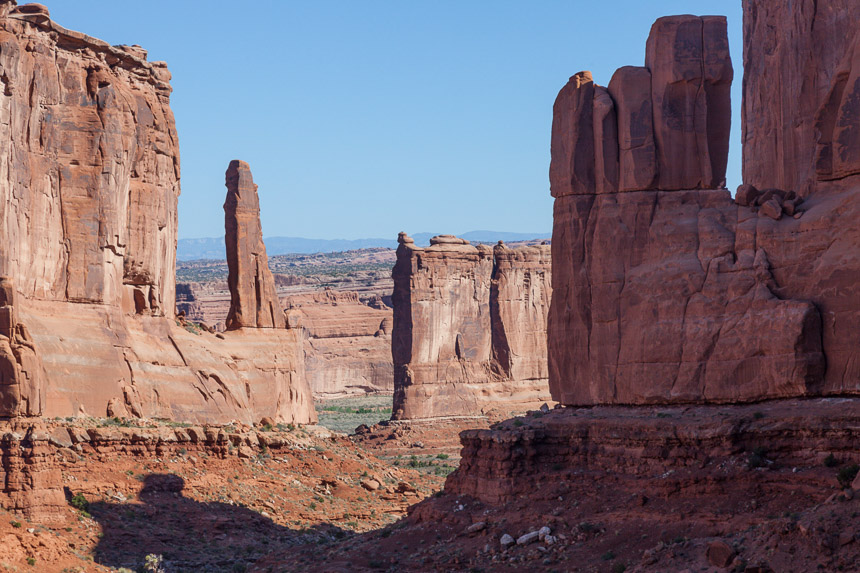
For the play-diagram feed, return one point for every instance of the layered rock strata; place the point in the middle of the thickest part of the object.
(254, 300)
(665, 290)
(347, 343)
(89, 185)
(659, 452)
(469, 325)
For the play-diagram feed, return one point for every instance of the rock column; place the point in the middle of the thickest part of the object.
(253, 297)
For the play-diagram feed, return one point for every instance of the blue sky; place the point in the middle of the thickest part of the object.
(364, 118)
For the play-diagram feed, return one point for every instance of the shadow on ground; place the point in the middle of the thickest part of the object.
(192, 535)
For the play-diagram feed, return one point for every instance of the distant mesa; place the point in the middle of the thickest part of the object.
(213, 248)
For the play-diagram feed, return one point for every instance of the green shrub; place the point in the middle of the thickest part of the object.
(80, 502)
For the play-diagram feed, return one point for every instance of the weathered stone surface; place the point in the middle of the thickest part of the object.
(347, 345)
(669, 308)
(459, 328)
(691, 77)
(837, 122)
(605, 142)
(792, 53)
(520, 295)
(573, 138)
(89, 180)
(22, 377)
(254, 300)
(90, 183)
(684, 295)
(630, 88)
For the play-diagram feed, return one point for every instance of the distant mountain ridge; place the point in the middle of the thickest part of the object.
(213, 248)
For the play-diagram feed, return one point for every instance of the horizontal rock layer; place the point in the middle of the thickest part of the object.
(347, 343)
(33, 455)
(656, 452)
(468, 324)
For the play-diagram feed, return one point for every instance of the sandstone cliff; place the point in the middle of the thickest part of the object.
(794, 55)
(468, 328)
(347, 345)
(665, 290)
(88, 215)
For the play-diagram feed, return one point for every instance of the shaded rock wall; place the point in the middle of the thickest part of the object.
(792, 55)
(468, 324)
(701, 452)
(666, 290)
(89, 181)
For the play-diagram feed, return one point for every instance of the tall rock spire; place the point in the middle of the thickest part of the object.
(254, 301)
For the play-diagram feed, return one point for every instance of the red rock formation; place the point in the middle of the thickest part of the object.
(792, 55)
(84, 120)
(347, 345)
(467, 329)
(520, 294)
(254, 300)
(691, 78)
(89, 181)
(663, 296)
(21, 372)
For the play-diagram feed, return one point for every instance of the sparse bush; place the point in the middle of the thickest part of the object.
(31, 561)
(608, 556)
(830, 461)
(16, 524)
(619, 567)
(442, 456)
(518, 422)
(80, 502)
(757, 458)
(847, 474)
(153, 564)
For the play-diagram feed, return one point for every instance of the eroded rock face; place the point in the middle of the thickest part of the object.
(461, 319)
(21, 372)
(347, 345)
(252, 288)
(792, 55)
(89, 180)
(666, 292)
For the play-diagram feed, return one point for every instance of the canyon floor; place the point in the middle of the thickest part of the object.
(372, 501)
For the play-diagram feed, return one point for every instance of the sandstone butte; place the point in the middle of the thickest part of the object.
(665, 289)
(89, 181)
(469, 328)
